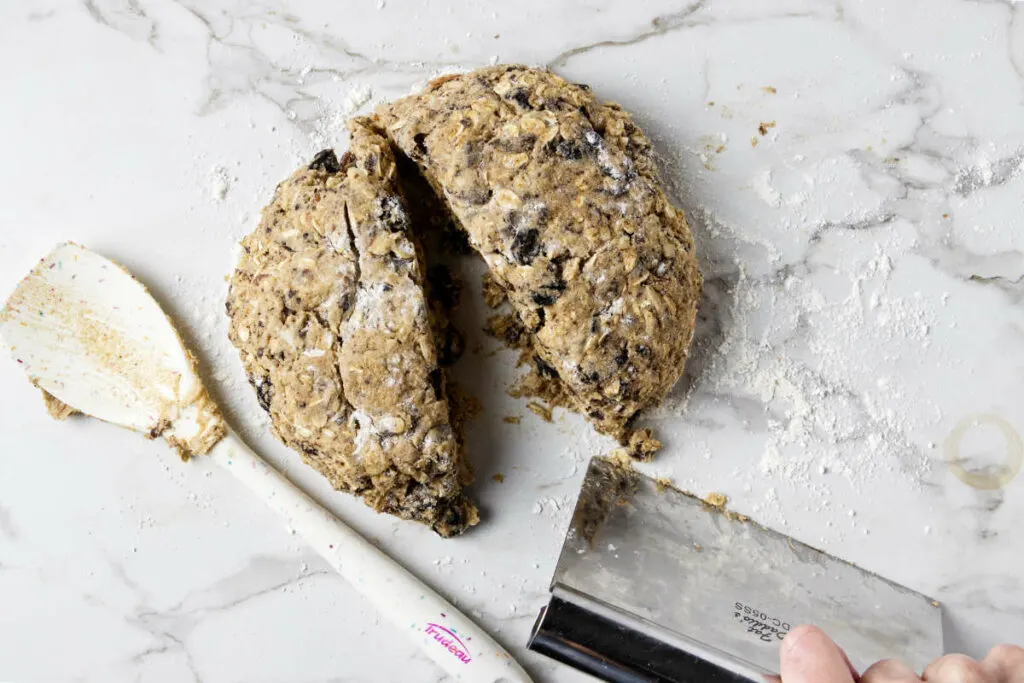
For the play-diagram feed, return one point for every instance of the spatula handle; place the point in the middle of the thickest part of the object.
(444, 634)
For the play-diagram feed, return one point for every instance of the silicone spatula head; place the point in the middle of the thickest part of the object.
(92, 336)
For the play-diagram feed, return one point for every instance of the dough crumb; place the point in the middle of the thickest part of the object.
(499, 477)
(464, 406)
(507, 328)
(620, 458)
(540, 410)
(643, 445)
(57, 409)
(512, 419)
(494, 294)
(717, 500)
(541, 381)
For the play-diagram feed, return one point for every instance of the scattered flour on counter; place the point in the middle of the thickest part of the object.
(236, 254)
(721, 230)
(443, 562)
(574, 458)
(797, 199)
(763, 186)
(799, 338)
(553, 506)
(357, 96)
(219, 183)
(985, 173)
(330, 125)
(818, 423)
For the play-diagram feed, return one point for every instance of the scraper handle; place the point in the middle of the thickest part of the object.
(447, 636)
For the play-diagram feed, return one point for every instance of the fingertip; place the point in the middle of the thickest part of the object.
(1006, 652)
(796, 638)
(890, 671)
(955, 667)
(1005, 659)
(808, 655)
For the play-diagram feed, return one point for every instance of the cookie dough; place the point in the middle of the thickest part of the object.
(558, 192)
(329, 313)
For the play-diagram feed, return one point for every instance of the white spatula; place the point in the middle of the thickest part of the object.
(91, 335)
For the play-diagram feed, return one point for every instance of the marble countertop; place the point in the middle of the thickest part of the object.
(853, 174)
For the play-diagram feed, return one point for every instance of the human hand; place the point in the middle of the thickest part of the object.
(810, 656)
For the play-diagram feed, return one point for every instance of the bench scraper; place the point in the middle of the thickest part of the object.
(655, 585)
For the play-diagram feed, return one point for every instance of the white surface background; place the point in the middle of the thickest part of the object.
(864, 264)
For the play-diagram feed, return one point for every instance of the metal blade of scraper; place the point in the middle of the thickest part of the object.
(655, 585)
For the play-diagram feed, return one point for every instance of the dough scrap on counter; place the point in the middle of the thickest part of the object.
(558, 193)
(56, 408)
(330, 315)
